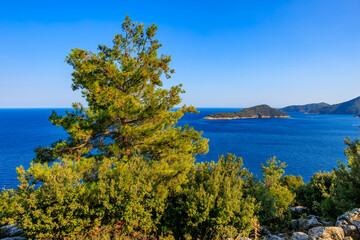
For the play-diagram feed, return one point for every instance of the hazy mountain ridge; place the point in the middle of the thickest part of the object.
(304, 108)
(259, 111)
(351, 107)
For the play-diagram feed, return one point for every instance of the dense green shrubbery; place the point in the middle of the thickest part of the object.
(316, 195)
(273, 198)
(213, 204)
(126, 197)
(347, 191)
(130, 200)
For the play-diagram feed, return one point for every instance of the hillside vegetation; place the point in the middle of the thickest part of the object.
(304, 108)
(260, 111)
(350, 107)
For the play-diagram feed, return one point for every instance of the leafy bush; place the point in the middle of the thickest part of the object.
(273, 198)
(291, 182)
(127, 198)
(213, 204)
(348, 178)
(317, 194)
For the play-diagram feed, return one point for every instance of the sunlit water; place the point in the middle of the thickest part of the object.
(307, 143)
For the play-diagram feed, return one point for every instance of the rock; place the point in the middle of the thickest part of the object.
(349, 223)
(356, 223)
(326, 233)
(351, 231)
(299, 236)
(329, 223)
(298, 209)
(244, 238)
(263, 231)
(350, 216)
(273, 237)
(348, 238)
(341, 223)
(282, 235)
(12, 231)
(308, 222)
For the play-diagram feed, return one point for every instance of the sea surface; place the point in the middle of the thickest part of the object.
(307, 143)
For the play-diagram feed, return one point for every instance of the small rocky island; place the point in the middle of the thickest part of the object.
(260, 111)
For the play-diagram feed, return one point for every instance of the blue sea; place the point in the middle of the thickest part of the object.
(307, 143)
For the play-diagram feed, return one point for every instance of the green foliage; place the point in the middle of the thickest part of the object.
(273, 172)
(348, 178)
(127, 198)
(5, 205)
(128, 113)
(273, 198)
(213, 205)
(316, 195)
(292, 182)
(5, 208)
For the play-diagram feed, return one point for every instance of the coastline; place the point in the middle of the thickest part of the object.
(231, 118)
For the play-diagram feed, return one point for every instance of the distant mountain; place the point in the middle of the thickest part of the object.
(351, 107)
(260, 111)
(304, 108)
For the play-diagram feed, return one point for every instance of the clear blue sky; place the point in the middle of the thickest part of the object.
(226, 53)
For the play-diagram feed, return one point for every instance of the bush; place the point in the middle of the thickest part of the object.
(317, 194)
(127, 198)
(348, 178)
(273, 198)
(291, 182)
(213, 204)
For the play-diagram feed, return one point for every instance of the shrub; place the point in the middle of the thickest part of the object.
(273, 198)
(291, 182)
(348, 178)
(127, 198)
(317, 194)
(213, 204)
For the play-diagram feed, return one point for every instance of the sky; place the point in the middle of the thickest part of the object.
(225, 53)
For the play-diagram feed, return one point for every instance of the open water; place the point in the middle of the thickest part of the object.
(307, 143)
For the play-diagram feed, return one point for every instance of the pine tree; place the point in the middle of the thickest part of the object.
(128, 113)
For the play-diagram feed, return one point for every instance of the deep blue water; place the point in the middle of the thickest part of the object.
(307, 143)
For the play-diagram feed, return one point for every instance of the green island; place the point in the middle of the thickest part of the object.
(128, 171)
(259, 111)
(351, 107)
(304, 108)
